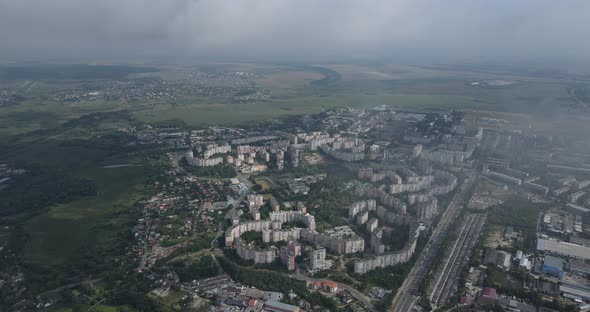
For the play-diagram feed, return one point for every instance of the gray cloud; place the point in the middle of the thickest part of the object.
(429, 30)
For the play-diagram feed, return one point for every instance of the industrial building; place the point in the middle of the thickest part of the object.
(564, 249)
(575, 291)
(553, 266)
(497, 257)
(276, 306)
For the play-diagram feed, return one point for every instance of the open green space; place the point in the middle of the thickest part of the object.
(90, 225)
(228, 113)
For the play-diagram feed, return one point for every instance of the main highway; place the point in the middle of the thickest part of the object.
(447, 277)
(406, 297)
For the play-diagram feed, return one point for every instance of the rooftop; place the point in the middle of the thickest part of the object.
(489, 292)
(553, 262)
(279, 306)
(563, 248)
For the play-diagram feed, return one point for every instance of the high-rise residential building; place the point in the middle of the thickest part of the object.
(318, 259)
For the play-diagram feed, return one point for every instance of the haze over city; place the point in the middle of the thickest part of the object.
(294, 155)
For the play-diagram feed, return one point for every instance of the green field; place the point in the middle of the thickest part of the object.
(451, 92)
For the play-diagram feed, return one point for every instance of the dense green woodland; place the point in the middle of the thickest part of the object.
(217, 171)
(203, 267)
(39, 188)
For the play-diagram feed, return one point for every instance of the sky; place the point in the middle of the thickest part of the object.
(428, 31)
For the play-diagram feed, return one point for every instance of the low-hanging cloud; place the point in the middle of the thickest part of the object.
(430, 30)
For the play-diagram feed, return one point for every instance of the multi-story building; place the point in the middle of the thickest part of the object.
(254, 253)
(235, 231)
(574, 197)
(561, 190)
(384, 198)
(388, 259)
(372, 225)
(274, 204)
(271, 236)
(294, 216)
(223, 149)
(288, 254)
(583, 184)
(255, 201)
(362, 217)
(340, 240)
(318, 259)
(208, 162)
(416, 151)
(503, 177)
(363, 205)
(427, 209)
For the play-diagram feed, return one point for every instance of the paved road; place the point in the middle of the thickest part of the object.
(407, 296)
(355, 293)
(447, 277)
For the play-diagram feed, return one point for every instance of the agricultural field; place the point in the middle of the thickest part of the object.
(294, 90)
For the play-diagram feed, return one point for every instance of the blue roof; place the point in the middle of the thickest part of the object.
(553, 262)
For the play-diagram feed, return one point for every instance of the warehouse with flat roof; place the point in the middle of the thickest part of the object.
(565, 249)
(553, 266)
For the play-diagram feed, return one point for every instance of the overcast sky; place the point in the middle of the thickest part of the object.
(417, 30)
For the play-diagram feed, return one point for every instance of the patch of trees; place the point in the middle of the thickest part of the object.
(391, 277)
(327, 200)
(520, 214)
(261, 279)
(252, 236)
(397, 238)
(203, 267)
(293, 224)
(203, 242)
(135, 296)
(218, 171)
(39, 188)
